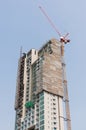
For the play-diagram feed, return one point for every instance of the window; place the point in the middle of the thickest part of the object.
(54, 118)
(54, 123)
(42, 107)
(32, 122)
(27, 92)
(42, 127)
(54, 104)
(28, 123)
(41, 122)
(41, 117)
(54, 108)
(41, 103)
(54, 113)
(22, 122)
(42, 112)
(42, 97)
(27, 95)
(41, 94)
(25, 120)
(29, 114)
(37, 110)
(25, 126)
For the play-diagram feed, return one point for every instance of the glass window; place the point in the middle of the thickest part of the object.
(41, 103)
(42, 98)
(42, 107)
(42, 112)
(41, 122)
(54, 123)
(41, 117)
(37, 110)
(41, 94)
(42, 127)
(55, 118)
(54, 113)
(32, 122)
(25, 126)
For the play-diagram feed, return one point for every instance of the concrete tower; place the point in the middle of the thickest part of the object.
(42, 89)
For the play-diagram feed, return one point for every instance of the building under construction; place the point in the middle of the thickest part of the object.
(41, 94)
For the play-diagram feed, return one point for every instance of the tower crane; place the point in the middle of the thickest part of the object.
(63, 40)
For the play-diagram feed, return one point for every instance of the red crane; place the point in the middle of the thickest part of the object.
(63, 39)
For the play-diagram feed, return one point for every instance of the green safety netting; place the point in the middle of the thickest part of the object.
(29, 104)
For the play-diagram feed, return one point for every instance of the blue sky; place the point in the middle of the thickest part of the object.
(23, 24)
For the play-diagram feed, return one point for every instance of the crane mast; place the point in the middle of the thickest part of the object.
(67, 118)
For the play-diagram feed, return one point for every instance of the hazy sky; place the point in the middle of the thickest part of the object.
(22, 23)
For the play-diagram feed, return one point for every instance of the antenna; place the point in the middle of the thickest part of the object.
(20, 51)
(62, 38)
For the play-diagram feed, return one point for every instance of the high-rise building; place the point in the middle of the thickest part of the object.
(41, 90)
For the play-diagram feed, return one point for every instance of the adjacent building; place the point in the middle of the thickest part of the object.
(42, 89)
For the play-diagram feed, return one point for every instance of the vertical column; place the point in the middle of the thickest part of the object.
(60, 109)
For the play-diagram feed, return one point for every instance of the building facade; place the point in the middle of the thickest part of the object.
(40, 89)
